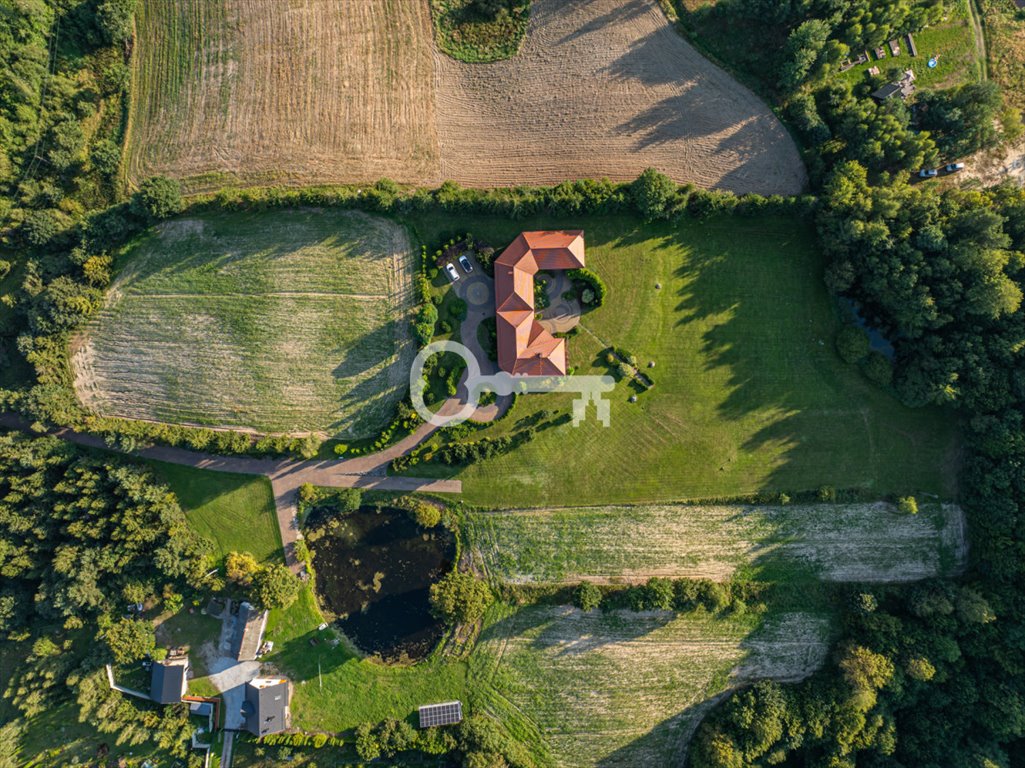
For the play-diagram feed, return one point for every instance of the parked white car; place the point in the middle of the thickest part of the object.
(954, 167)
(450, 270)
(928, 173)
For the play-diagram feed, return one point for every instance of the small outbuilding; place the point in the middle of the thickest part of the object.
(249, 626)
(911, 45)
(266, 706)
(903, 88)
(169, 680)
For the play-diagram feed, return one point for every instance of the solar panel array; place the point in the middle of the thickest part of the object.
(449, 713)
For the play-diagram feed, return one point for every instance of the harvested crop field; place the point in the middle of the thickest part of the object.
(608, 88)
(258, 91)
(837, 542)
(263, 91)
(624, 688)
(287, 321)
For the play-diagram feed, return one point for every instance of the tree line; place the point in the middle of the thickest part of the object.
(928, 675)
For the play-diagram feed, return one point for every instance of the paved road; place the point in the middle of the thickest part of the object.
(369, 472)
(478, 291)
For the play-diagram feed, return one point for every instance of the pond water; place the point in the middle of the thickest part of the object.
(374, 572)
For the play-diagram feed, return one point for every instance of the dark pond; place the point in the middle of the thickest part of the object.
(374, 572)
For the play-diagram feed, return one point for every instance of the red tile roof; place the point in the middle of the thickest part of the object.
(524, 347)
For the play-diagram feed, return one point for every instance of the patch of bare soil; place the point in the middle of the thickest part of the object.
(995, 166)
(607, 88)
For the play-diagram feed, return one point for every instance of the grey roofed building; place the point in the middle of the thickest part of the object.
(888, 91)
(905, 87)
(249, 626)
(168, 680)
(265, 708)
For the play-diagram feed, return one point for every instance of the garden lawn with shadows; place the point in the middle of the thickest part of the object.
(235, 512)
(279, 321)
(336, 689)
(750, 394)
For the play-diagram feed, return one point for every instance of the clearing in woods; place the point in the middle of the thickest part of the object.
(283, 321)
(624, 688)
(260, 91)
(836, 542)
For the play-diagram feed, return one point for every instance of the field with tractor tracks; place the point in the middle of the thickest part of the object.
(836, 542)
(257, 91)
(624, 688)
(289, 321)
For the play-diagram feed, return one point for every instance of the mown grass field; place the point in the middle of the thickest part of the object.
(749, 393)
(235, 512)
(621, 688)
(835, 542)
(613, 688)
(336, 689)
(286, 321)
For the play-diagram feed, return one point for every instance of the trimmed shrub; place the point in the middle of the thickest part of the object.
(907, 505)
(459, 598)
(878, 369)
(588, 596)
(852, 343)
(653, 194)
(590, 281)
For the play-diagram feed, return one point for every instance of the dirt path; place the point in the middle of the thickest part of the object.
(980, 38)
(366, 472)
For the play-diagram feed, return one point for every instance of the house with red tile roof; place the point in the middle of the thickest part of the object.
(524, 346)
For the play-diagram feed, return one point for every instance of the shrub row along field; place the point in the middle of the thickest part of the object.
(626, 689)
(280, 322)
(838, 542)
(263, 91)
(749, 392)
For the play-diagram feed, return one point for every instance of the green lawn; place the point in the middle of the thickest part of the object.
(335, 690)
(191, 629)
(1005, 39)
(281, 321)
(612, 688)
(235, 512)
(836, 542)
(749, 393)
